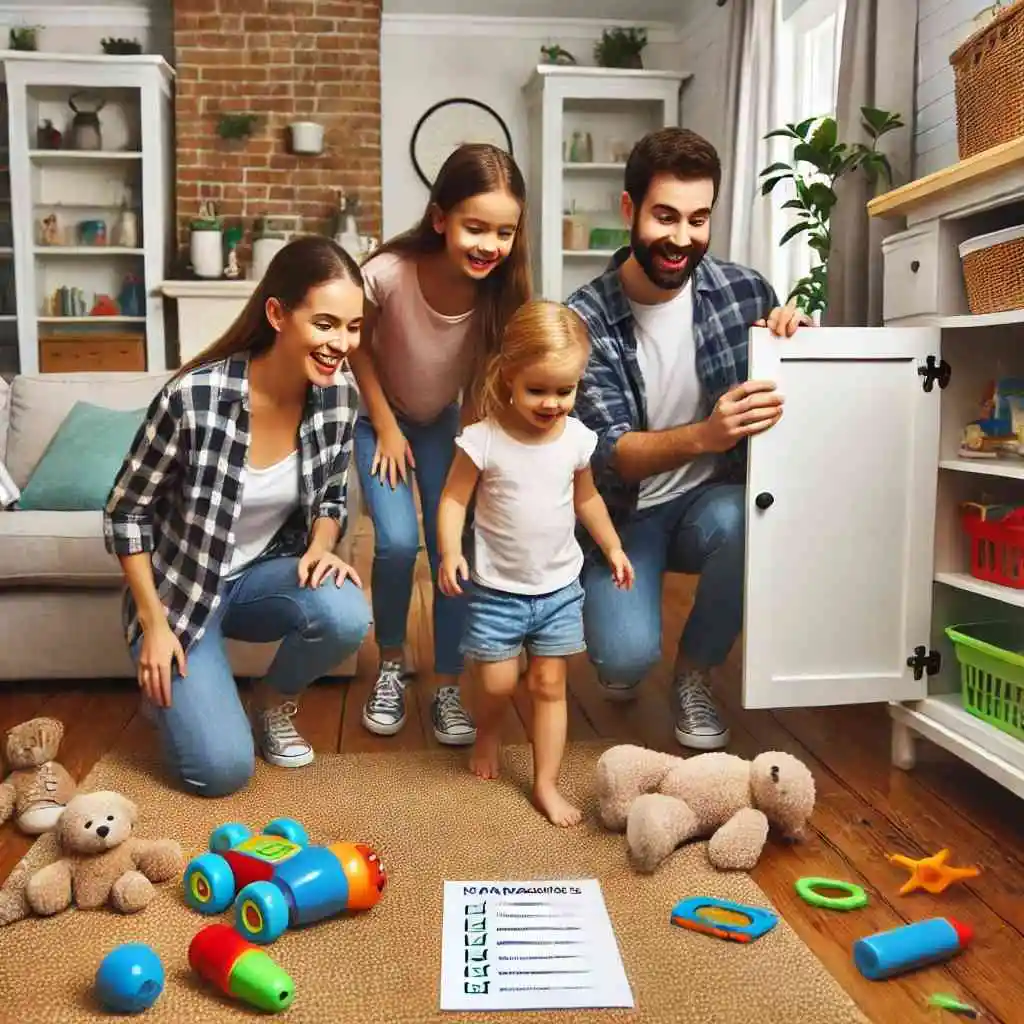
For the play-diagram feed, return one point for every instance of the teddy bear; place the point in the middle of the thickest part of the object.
(103, 863)
(38, 787)
(662, 801)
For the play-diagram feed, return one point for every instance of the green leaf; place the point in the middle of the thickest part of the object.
(782, 133)
(803, 127)
(822, 198)
(794, 231)
(825, 135)
(780, 166)
(794, 204)
(806, 152)
(768, 186)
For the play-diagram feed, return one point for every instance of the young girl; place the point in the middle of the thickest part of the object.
(528, 464)
(225, 516)
(438, 297)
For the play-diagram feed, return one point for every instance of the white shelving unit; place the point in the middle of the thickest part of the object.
(924, 285)
(616, 107)
(132, 171)
(8, 293)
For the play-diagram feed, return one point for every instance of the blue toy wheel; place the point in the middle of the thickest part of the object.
(287, 828)
(261, 912)
(225, 837)
(209, 884)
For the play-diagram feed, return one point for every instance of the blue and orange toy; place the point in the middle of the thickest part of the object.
(277, 880)
(724, 919)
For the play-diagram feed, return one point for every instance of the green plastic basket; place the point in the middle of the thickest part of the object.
(991, 656)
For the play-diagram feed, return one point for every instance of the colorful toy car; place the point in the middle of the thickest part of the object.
(278, 880)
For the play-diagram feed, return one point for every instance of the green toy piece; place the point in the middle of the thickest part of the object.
(951, 1003)
(806, 889)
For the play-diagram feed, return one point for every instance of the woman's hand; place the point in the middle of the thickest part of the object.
(452, 567)
(393, 457)
(160, 647)
(317, 565)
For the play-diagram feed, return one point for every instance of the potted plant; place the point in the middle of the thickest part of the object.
(236, 127)
(825, 160)
(23, 38)
(621, 48)
(206, 247)
(121, 46)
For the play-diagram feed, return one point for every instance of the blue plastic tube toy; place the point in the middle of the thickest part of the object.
(911, 946)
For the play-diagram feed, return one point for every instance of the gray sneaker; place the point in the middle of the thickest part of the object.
(452, 724)
(698, 724)
(384, 710)
(279, 742)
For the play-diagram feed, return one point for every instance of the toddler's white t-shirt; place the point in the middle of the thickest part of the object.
(525, 520)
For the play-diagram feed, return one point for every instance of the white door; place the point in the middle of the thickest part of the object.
(840, 518)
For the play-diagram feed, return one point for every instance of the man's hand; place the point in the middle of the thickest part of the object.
(784, 320)
(748, 408)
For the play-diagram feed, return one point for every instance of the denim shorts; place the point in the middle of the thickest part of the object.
(499, 625)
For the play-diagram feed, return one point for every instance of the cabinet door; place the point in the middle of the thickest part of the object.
(840, 518)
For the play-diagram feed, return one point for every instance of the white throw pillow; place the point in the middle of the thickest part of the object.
(9, 492)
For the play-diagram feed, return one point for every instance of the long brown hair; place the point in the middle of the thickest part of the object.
(474, 169)
(304, 263)
(538, 330)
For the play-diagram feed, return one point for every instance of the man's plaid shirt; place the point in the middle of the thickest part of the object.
(727, 300)
(178, 493)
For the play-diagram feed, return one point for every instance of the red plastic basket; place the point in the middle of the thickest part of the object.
(997, 547)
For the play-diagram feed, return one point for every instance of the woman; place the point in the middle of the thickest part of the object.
(225, 516)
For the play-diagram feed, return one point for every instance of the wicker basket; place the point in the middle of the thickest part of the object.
(989, 73)
(993, 267)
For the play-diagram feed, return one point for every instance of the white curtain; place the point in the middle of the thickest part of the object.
(753, 50)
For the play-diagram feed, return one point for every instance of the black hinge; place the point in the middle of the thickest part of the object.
(923, 661)
(933, 373)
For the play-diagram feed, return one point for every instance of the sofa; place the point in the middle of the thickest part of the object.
(60, 590)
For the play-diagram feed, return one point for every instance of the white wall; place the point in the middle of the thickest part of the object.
(942, 25)
(428, 58)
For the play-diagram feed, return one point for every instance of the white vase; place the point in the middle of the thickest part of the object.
(207, 251)
(307, 137)
(263, 251)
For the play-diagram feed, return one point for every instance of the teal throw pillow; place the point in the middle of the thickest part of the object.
(80, 464)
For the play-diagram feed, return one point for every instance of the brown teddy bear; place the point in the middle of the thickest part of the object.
(38, 788)
(103, 862)
(662, 801)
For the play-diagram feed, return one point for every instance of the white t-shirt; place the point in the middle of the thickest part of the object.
(269, 496)
(668, 361)
(525, 519)
(424, 358)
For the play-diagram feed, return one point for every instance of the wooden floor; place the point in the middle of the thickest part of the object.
(865, 808)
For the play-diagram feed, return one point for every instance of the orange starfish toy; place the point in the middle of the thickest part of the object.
(931, 873)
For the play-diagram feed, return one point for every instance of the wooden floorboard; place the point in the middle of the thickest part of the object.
(865, 808)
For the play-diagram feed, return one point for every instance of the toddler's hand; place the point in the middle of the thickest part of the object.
(622, 569)
(452, 567)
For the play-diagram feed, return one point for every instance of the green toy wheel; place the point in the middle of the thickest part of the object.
(807, 890)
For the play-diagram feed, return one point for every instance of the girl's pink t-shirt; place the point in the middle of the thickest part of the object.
(423, 359)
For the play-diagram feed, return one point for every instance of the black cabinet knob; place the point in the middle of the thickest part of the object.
(915, 266)
(764, 500)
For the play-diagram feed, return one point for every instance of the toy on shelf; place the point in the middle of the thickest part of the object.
(1000, 429)
(910, 946)
(807, 890)
(931, 873)
(130, 978)
(277, 880)
(240, 969)
(724, 919)
(995, 534)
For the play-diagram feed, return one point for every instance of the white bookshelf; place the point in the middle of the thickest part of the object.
(132, 170)
(8, 293)
(616, 107)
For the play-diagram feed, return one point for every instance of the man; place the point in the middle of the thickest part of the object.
(666, 390)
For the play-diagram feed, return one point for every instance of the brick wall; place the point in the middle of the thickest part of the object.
(284, 60)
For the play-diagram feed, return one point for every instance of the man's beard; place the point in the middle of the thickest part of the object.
(646, 255)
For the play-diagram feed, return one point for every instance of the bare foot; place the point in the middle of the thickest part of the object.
(555, 807)
(484, 760)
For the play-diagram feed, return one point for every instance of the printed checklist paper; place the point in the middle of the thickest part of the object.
(529, 946)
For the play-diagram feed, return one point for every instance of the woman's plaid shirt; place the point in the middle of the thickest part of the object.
(177, 495)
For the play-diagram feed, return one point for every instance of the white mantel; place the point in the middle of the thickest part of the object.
(205, 310)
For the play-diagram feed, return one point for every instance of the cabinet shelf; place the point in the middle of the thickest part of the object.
(75, 155)
(1004, 319)
(91, 319)
(604, 254)
(571, 167)
(986, 467)
(965, 581)
(86, 250)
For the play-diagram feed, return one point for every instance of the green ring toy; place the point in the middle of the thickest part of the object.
(807, 890)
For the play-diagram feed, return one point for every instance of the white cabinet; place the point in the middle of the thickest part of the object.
(582, 123)
(93, 218)
(856, 557)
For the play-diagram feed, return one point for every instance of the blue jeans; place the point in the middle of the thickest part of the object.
(397, 535)
(702, 532)
(499, 625)
(205, 734)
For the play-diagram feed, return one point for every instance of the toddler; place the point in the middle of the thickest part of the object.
(528, 463)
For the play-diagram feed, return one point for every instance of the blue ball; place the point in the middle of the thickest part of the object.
(130, 978)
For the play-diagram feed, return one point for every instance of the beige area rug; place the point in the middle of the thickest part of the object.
(431, 821)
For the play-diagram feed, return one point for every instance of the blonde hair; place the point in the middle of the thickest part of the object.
(538, 330)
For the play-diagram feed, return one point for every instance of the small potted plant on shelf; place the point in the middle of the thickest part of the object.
(236, 127)
(23, 38)
(621, 48)
(206, 246)
(121, 46)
